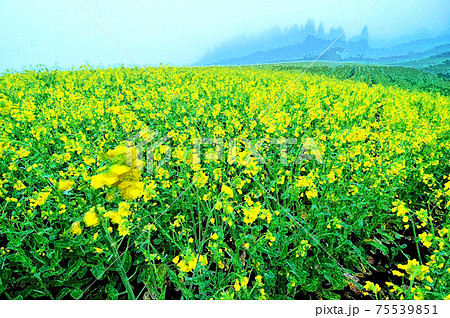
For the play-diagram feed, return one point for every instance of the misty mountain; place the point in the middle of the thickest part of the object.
(268, 40)
(307, 43)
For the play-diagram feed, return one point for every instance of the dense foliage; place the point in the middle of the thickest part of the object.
(365, 213)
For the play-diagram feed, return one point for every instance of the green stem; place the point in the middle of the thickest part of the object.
(121, 270)
(415, 240)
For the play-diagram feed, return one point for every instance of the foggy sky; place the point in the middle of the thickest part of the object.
(58, 32)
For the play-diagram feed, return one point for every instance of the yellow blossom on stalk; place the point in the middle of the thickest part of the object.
(244, 282)
(414, 269)
(218, 206)
(227, 190)
(426, 239)
(98, 250)
(214, 236)
(114, 216)
(371, 287)
(131, 190)
(189, 262)
(422, 216)
(178, 220)
(417, 292)
(124, 229)
(251, 213)
(258, 279)
(91, 218)
(42, 198)
(19, 185)
(76, 228)
(65, 185)
(116, 152)
(103, 179)
(237, 287)
(400, 208)
(397, 273)
(270, 237)
(200, 179)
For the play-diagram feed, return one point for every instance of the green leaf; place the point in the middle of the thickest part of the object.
(76, 293)
(312, 285)
(161, 273)
(72, 269)
(113, 294)
(377, 244)
(98, 271)
(63, 292)
(82, 272)
(126, 261)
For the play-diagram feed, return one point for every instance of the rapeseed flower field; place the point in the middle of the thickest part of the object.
(221, 183)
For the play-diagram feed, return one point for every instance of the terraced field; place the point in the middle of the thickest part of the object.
(396, 76)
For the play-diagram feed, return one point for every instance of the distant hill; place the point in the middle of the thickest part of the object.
(437, 64)
(306, 43)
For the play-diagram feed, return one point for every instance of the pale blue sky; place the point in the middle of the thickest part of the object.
(175, 32)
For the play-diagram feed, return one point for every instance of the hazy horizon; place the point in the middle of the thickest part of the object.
(60, 33)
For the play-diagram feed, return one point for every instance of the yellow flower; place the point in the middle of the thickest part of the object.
(42, 198)
(131, 190)
(116, 152)
(119, 170)
(76, 228)
(98, 250)
(214, 236)
(189, 262)
(91, 218)
(244, 282)
(375, 288)
(19, 185)
(414, 269)
(103, 179)
(114, 217)
(65, 185)
(237, 287)
(124, 229)
(227, 190)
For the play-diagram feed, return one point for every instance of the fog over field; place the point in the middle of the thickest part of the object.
(61, 33)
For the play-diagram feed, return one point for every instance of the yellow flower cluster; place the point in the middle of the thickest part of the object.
(252, 212)
(371, 287)
(187, 263)
(120, 217)
(302, 249)
(121, 176)
(414, 269)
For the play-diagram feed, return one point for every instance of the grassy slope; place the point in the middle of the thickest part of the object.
(398, 76)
